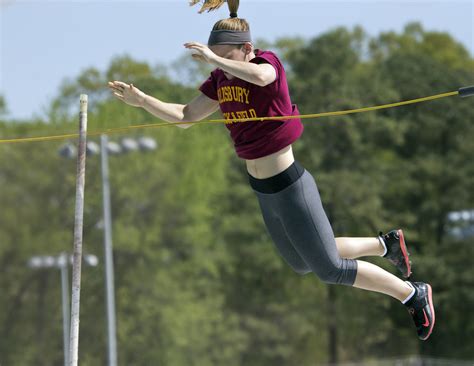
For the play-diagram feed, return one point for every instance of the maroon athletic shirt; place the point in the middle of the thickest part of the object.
(241, 99)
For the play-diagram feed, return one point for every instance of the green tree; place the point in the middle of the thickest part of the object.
(3, 106)
(198, 281)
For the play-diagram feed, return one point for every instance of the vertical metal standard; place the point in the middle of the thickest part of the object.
(64, 266)
(109, 261)
(78, 229)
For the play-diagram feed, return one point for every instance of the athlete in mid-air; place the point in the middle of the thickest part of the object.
(249, 83)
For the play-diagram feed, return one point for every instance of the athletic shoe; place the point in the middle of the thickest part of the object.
(397, 252)
(421, 308)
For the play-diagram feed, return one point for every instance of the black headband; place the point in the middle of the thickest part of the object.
(228, 37)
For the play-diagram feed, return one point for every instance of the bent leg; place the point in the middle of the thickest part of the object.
(310, 232)
(301, 231)
(359, 247)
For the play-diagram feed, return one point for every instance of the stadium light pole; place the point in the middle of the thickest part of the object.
(107, 147)
(62, 262)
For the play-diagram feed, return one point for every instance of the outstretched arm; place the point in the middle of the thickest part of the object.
(199, 108)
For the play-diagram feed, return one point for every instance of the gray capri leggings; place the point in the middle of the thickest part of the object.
(300, 230)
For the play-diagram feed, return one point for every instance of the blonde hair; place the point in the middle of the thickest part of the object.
(233, 23)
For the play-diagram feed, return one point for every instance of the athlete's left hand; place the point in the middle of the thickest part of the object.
(203, 54)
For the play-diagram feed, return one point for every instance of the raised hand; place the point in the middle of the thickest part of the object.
(127, 93)
(203, 54)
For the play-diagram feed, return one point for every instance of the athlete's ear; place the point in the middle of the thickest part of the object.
(247, 47)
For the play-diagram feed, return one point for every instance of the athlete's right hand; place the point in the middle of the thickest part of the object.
(127, 93)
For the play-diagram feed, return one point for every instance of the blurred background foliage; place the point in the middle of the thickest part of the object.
(197, 279)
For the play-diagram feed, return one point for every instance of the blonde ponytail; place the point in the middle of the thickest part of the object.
(208, 5)
(233, 23)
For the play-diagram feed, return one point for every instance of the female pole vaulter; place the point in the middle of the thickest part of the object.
(247, 83)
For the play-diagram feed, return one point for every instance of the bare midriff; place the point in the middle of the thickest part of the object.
(272, 164)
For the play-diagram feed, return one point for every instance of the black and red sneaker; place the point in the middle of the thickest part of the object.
(421, 308)
(397, 252)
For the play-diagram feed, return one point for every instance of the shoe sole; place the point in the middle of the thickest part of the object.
(430, 303)
(405, 253)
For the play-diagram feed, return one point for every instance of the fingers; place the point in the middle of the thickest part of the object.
(118, 85)
(193, 44)
(119, 96)
(116, 89)
(204, 54)
(119, 89)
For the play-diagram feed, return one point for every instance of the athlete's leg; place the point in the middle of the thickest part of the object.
(298, 216)
(373, 278)
(279, 236)
(391, 246)
(311, 234)
(296, 219)
(300, 209)
(369, 276)
(359, 247)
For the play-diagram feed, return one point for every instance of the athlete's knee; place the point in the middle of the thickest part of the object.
(331, 277)
(342, 273)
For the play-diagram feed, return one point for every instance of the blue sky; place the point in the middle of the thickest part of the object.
(44, 42)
